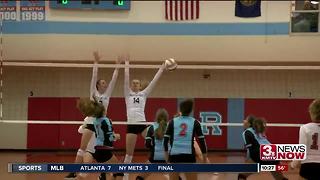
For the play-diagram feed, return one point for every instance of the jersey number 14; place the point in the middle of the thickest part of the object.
(315, 141)
(136, 100)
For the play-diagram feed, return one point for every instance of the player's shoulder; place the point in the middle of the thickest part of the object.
(248, 131)
(196, 121)
(310, 125)
(106, 119)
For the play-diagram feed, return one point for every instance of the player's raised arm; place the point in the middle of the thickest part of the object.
(94, 77)
(149, 88)
(112, 83)
(126, 78)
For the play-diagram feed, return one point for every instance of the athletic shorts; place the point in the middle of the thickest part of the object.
(91, 144)
(90, 127)
(182, 158)
(136, 129)
(310, 171)
(102, 155)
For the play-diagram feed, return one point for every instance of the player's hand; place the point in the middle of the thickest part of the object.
(96, 56)
(122, 58)
(117, 137)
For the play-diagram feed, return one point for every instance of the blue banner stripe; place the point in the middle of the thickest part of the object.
(209, 29)
(235, 115)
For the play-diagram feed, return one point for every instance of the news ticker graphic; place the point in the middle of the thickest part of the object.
(127, 168)
(274, 167)
(286, 152)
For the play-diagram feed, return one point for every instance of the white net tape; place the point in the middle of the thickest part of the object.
(141, 123)
(141, 66)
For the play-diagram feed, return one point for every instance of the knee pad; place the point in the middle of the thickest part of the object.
(80, 152)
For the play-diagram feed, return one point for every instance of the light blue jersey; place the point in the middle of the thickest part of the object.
(182, 135)
(259, 138)
(104, 132)
(158, 146)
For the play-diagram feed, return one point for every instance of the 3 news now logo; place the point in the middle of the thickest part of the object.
(288, 152)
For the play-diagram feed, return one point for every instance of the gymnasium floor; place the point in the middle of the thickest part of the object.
(68, 157)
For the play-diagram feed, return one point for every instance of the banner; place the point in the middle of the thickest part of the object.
(8, 10)
(32, 10)
(179, 10)
(131, 168)
(248, 8)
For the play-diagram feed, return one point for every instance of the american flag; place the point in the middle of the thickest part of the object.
(179, 10)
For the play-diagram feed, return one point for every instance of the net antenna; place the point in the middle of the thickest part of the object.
(1, 66)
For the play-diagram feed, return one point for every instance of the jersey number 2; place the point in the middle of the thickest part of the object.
(314, 145)
(183, 131)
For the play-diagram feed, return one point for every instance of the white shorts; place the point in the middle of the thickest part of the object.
(92, 141)
(91, 144)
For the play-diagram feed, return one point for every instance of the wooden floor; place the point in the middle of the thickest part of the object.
(67, 157)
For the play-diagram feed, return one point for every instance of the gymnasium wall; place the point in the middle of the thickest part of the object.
(217, 110)
(218, 36)
(65, 83)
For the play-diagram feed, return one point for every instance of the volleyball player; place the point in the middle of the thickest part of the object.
(102, 126)
(154, 139)
(180, 133)
(197, 148)
(309, 135)
(254, 137)
(136, 99)
(102, 92)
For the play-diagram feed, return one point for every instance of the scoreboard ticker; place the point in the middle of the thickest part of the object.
(131, 168)
(91, 4)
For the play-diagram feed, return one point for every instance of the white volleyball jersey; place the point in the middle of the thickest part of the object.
(135, 106)
(102, 98)
(310, 136)
(136, 102)
(105, 97)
